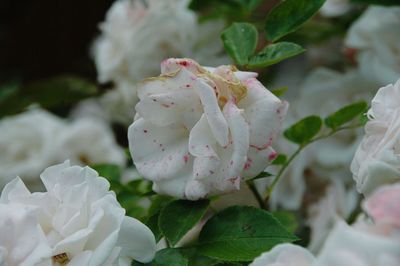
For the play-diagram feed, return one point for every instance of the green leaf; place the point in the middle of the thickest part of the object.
(168, 257)
(261, 175)
(275, 53)
(345, 114)
(287, 219)
(280, 91)
(240, 41)
(152, 223)
(111, 172)
(304, 130)
(60, 91)
(288, 15)
(379, 2)
(280, 159)
(241, 233)
(179, 216)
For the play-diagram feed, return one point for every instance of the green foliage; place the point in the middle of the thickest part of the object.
(287, 219)
(231, 10)
(240, 41)
(59, 91)
(289, 15)
(280, 159)
(241, 233)
(275, 53)
(280, 91)
(262, 175)
(378, 2)
(345, 114)
(304, 130)
(179, 216)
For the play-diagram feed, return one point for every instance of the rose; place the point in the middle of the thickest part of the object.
(88, 141)
(377, 160)
(22, 241)
(285, 255)
(376, 37)
(200, 131)
(27, 144)
(82, 220)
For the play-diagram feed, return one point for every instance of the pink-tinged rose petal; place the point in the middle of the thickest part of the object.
(384, 205)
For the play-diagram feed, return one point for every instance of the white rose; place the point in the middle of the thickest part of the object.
(285, 255)
(201, 131)
(337, 204)
(82, 220)
(377, 160)
(136, 36)
(87, 141)
(22, 241)
(27, 144)
(376, 37)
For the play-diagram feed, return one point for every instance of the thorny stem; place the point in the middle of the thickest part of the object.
(299, 149)
(260, 200)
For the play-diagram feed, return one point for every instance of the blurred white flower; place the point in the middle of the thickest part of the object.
(137, 35)
(88, 141)
(337, 205)
(200, 131)
(27, 144)
(377, 160)
(82, 220)
(335, 8)
(22, 241)
(36, 139)
(285, 255)
(116, 105)
(376, 37)
(359, 246)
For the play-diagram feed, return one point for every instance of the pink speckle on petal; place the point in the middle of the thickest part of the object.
(165, 105)
(145, 130)
(186, 158)
(247, 165)
(272, 156)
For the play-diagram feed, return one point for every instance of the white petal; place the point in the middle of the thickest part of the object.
(216, 120)
(137, 241)
(158, 152)
(264, 112)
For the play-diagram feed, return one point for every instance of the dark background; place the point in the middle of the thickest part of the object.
(42, 38)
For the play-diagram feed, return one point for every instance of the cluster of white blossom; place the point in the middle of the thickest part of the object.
(76, 221)
(36, 139)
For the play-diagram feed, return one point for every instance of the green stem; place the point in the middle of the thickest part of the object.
(257, 196)
(280, 173)
(299, 149)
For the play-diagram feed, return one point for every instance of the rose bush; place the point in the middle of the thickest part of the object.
(82, 221)
(201, 131)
